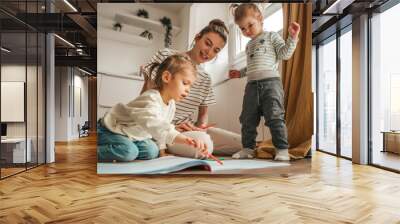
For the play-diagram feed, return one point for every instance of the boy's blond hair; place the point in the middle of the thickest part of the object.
(239, 11)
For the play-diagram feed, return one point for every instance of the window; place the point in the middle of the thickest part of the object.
(346, 94)
(394, 101)
(385, 86)
(22, 65)
(334, 102)
(274, 22)
(327, 96)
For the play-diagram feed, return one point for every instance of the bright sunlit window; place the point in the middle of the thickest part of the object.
(385, 84)
(274, 22)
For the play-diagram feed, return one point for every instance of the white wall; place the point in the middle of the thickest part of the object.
(118, 58)
(62, 81)
(67, 114)
(81, 103)
(182, 41)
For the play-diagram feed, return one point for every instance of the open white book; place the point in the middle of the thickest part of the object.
(169, 164)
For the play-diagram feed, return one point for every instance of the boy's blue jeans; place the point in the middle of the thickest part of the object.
(264, 98)
(116, 147)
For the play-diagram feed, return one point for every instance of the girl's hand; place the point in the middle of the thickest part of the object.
(294, 30)
(198, 144)
(234, 74)
(164, 153)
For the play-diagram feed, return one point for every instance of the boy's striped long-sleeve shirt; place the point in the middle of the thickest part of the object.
(264, 53)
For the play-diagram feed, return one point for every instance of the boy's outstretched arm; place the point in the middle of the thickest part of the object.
(284, 49)
(234, 74)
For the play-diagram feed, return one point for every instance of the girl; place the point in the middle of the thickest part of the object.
(126, 131)
(264, 92)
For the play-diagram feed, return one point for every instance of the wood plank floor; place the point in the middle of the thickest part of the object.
(69, 191)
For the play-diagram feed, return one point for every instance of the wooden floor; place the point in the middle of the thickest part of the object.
(70, 191)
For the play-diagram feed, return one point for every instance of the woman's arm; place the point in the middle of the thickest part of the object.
(203, 116)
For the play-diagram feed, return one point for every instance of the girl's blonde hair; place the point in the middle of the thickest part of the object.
(173, 64)
(239, 11)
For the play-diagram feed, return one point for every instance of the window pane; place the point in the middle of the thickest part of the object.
(31, 100)
(327, 97)
(385, 88)
(346, 94)
(274, 22)
(14, 149)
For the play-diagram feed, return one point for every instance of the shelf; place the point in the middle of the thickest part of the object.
(132, 76)
(120, 36)
(144, 23)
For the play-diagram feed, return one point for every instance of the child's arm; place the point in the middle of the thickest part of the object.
(233, 74)
(294, 30)
(199, 144)
(284, 50)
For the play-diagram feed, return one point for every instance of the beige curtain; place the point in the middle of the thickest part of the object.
(296, 79)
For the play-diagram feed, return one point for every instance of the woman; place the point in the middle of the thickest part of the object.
(207, 44)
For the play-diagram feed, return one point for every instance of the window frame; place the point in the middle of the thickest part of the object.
(334, 37)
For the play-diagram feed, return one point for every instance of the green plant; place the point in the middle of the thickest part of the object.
(147, 34)
(166, 22)
(117, 27)
(142, 13)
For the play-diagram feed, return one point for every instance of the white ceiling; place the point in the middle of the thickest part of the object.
(171, 7)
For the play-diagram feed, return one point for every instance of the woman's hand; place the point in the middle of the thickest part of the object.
(187, 126)
(294, 30)
(234, 74)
